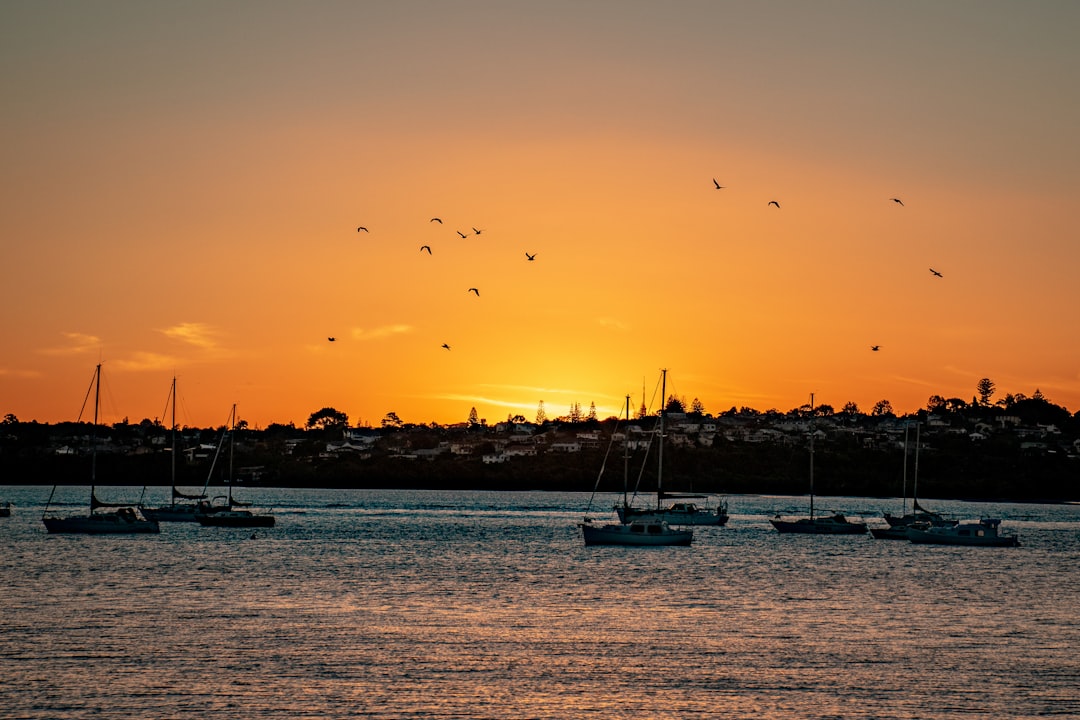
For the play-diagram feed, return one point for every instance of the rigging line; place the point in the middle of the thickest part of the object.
(168, 399)
(87, 398)
(603, 465)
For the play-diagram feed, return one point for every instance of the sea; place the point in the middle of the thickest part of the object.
(430, 604)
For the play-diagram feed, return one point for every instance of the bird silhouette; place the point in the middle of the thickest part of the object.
(438, 220)
(474, 290)
(361, 228)
(446, 346)
(718, 185)
(936, 272)
(898, 201)
(530, 257)
(875, 348)
(462, 234)
(477, 231)
(426, 247)
(331, 339)
(773, 202)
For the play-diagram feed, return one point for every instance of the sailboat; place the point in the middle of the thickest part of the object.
(121, 519)
(835, 524)
(232, 513)
(637, 532)
(918, 517)
(182, 506)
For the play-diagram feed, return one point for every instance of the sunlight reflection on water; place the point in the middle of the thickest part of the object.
(487, 605)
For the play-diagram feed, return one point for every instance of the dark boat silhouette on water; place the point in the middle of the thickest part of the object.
(835, 524)
(643, 532)
(117, 518)
(182, 507)
(232, 512)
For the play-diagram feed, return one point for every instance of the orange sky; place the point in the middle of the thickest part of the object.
(182, 183)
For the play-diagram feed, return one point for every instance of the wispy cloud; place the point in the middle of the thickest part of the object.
(25, 374)
(613, 323)
(538, 391)
(77, 344)
(141, 361)
(380, 332)
(482, 400)
(193, 333)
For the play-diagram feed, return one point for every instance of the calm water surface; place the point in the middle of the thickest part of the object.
(415, 604)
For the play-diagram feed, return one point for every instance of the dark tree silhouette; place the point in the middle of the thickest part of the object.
(327, 418)
(985, 388)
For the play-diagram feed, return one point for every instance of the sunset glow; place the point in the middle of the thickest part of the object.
(182, 186)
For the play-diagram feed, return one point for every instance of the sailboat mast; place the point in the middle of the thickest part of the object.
(626, 455)
(172, 491)
(232, 434)
(660, 453)
(915, 486)
(93, 432)
(904, 485)
(811, 456)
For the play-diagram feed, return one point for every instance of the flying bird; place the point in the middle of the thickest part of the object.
(477, 231)
(875, 348)
(462, 234)
(474, 290)
(936, 272)
(438, 220)
(718, 185)
(773, 202)
(331, 339)
(530, 257)
(446, 346)
(898, 201)
(426, 247)
(361, 228)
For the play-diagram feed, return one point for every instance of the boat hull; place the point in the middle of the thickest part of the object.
(834, 525)
(983, 534)
(673, 517)
(174, 513)
(635, 534)
(117, 523)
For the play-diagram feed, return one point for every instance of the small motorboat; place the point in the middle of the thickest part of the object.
(983, 532)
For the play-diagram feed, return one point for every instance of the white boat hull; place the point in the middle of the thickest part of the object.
(982, 534)
(635, 533)
(690, 515)
(109, 523)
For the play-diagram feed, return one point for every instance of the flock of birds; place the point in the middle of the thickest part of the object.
(774, 203)
(532, 256)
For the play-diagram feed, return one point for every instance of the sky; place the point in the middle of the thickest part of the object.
(181, 186)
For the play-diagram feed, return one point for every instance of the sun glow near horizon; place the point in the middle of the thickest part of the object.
(198, 216)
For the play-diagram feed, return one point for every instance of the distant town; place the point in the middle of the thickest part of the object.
(1020, 448)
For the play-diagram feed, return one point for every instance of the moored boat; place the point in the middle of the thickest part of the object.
(984, 532)
(677, 513)
(651, 532)
(918, 517)
(634, 533)
(121, 518)
(835, 524)
(182, 507)
(231, 512)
